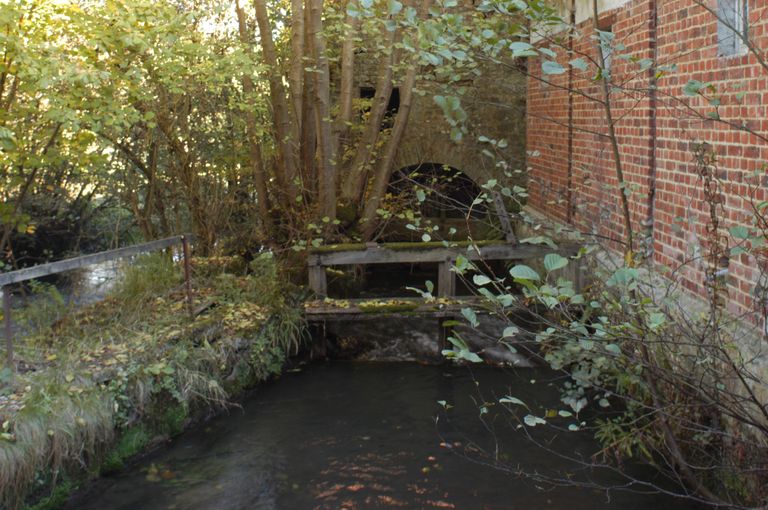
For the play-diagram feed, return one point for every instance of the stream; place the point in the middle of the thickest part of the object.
(355, 435)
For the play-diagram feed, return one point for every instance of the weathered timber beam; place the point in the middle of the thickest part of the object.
(503, 214)
(383, 255)
(61, 266)
(354, 309)
(446, 279)
(318, 281)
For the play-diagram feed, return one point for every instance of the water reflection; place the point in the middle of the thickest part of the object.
(357, 436)
(93, 283)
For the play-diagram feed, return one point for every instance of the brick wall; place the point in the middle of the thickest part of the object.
(572, 172)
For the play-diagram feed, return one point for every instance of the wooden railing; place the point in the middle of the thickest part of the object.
(402, 253)
(61, 266)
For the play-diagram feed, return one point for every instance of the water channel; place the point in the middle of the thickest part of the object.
(354, 435)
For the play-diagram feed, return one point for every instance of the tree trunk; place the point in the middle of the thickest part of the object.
(346, 92)
(618, 167)
(385, 167)
(354, 185)
(283, 130)
(296, 77)
(326, 166)
(254, 149)
(308, 136)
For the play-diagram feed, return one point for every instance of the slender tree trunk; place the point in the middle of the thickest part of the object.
(385, 167)
(308, 136)
(283, 130)
(326, 158)
(649, 373)
(354, 185)
(296, 78)
(346, 93)
(254, 149)
(618, 167)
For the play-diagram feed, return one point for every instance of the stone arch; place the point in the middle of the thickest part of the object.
(450, 192)
(423, 149)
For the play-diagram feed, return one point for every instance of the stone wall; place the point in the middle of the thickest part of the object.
(495, 104)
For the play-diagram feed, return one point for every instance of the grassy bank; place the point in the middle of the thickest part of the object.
(108, 381)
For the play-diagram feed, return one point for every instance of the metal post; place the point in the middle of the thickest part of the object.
(187, 274)
(8, 328)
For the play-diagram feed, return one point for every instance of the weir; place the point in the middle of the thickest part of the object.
(446, 306)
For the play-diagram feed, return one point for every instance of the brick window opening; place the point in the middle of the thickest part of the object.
(732, 26)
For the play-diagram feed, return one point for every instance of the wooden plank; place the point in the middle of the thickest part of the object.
(503, 214)
(61, 266)
(446, 279)
(8, 330)
(320, 311)
(383, 255)
(318, 281)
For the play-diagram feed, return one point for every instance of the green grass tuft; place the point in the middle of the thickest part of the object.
(56, 499)
(131, 442)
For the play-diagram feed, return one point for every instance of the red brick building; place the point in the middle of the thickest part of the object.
(658, 47)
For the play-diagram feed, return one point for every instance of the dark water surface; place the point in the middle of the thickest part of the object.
(360, 435)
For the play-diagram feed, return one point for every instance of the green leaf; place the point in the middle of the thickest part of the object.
(394, 7)
(470, 356)
(520, 46)
(553, 262)
(523, 272)
(522, 49)
(532, 421)
(462, 263)
(471, 316)
(656, 320)
(551, 67)
(645, 63)
(352, 10)
(693, 88)
(579, 63)
(481, 279)
(512, 400)
(739, 232)
(623, 276)
(510, 331)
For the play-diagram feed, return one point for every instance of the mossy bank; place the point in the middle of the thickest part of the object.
(109, 381)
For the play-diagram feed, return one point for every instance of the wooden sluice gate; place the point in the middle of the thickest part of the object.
(444, 306)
